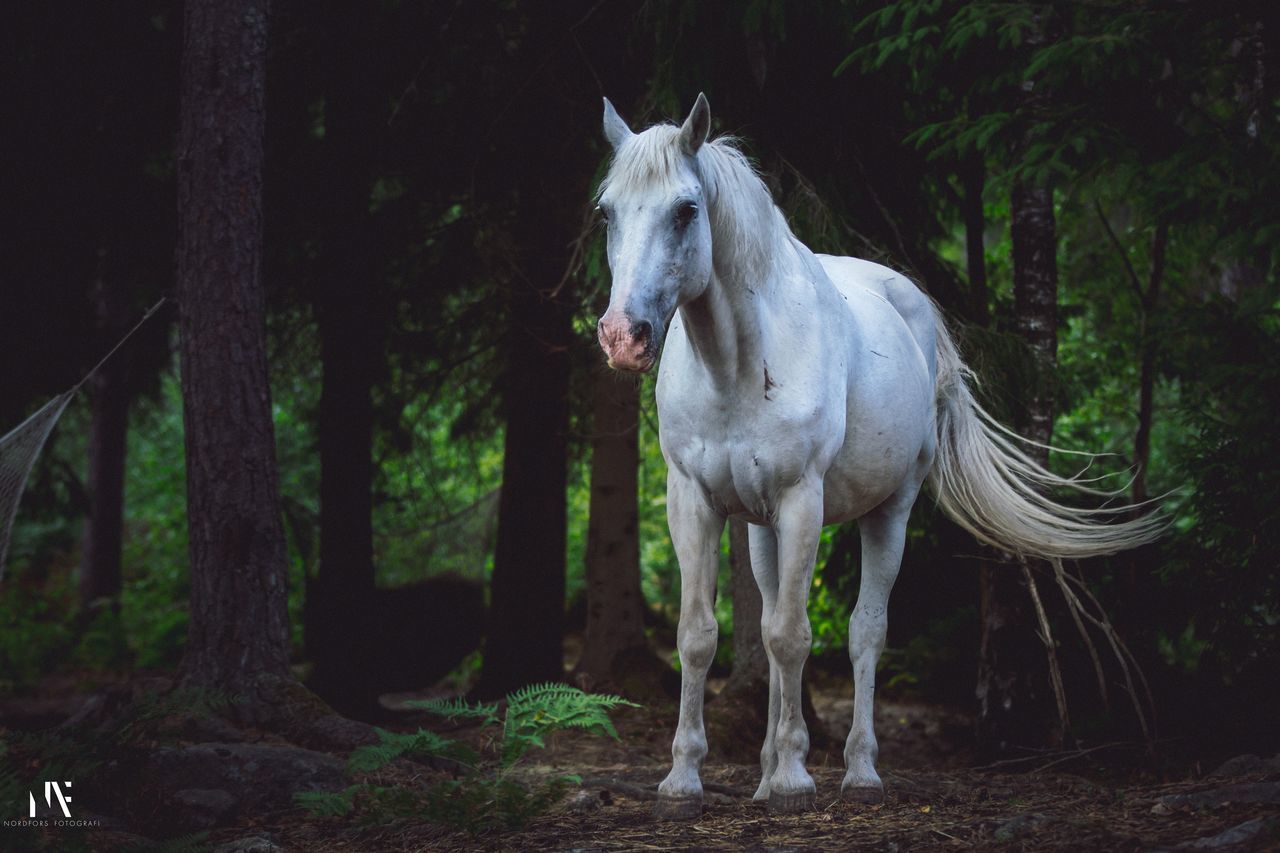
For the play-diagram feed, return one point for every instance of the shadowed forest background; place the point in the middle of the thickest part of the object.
(470, 503)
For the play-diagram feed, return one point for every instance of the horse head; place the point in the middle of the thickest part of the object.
(659, 238)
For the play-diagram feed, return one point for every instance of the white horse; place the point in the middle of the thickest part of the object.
(796, 390)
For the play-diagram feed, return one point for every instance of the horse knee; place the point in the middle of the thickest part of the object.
(789, 640)
(697, 643)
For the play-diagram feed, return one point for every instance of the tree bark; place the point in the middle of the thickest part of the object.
(750, 663)
(1150, 304)
(348, 306)
(238, 636)
(338, 629)
(614, 636)
(975, 223)
(1015, 706)
(1035, 297)
(109, 399)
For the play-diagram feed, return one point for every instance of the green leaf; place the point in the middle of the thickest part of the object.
(394, 744)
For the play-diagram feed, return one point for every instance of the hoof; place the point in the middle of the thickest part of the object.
(678, 808)
(870, 795)
(801, 801)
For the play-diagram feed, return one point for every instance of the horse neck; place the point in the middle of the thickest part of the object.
(726, 326)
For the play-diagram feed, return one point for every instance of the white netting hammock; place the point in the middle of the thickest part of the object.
(18, 452)
(20, 448)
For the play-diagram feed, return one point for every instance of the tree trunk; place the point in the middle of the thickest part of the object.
(541, 159)
(526, 600)
(109, 398)
(1035, 297)
(1015, 706)
(615, 638)
(238, 637)
(750, 663)
(1147, 365)
(348, 300)
(975, 223)
(338, 629)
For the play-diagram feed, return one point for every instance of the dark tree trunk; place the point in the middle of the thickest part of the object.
(1015, 706)
(1147, 367)
(539, 168)
(238, 637)
(109, 396)
(526, 610)
(975, 223)
(338, 632)
(615, 640)
(348, 300)
(750, 663)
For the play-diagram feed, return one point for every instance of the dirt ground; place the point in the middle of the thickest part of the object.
(1103, 797)
(937, 799)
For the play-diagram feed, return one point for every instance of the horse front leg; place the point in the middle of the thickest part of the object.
(764, 565)
(883, 537)
(788, 638)
(695, 533)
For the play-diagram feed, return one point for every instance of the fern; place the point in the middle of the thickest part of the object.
(458, 708)
(540, 709)
(392, 745)
(327, 803)
(484, 796)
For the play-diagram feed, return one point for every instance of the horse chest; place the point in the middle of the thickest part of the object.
(740, 463)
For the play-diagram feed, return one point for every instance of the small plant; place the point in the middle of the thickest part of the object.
(484, 794)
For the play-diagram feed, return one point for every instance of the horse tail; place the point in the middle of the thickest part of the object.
(988, 485)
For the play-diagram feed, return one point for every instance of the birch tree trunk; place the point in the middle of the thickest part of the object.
(1015, 707)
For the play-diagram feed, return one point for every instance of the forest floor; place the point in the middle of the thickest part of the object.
(1106, 797)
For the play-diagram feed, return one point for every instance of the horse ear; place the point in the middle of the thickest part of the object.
(615, 129)
(696, 127)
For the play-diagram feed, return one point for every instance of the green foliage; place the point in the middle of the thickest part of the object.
(421, 743)
(153, 604)
(1233, 460)
(327, 803)
(540, 709)
(34, 636)
(486, 795)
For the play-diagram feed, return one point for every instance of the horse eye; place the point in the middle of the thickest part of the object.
(685, 212)
(604, 214)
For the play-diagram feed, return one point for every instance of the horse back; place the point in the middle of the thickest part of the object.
(854, 274)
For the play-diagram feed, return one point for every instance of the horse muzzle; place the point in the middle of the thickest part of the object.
(628, 344)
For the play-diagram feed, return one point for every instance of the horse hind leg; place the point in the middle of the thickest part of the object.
(883, 537)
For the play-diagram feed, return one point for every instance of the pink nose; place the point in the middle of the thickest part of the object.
(628, 344)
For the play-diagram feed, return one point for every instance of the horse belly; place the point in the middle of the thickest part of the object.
(888, 433)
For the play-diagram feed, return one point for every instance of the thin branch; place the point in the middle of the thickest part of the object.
(1046, 636)
(1088, 644)
(1124, 256)
(1121, 652)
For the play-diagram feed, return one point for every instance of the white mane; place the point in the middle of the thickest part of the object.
(747, 229)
